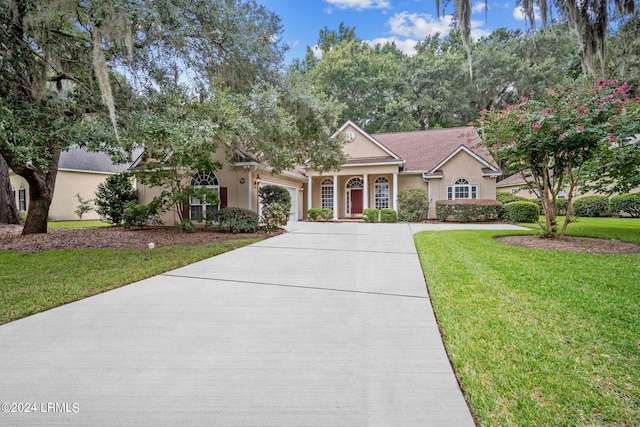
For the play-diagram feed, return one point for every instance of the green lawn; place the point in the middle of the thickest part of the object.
(538, 337)
(627, 229)
(78, 224)
(30, 283)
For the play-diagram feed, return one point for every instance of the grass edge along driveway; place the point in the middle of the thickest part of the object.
(31, 283)
(537, 337)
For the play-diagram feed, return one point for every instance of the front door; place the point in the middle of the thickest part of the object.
(356, 202)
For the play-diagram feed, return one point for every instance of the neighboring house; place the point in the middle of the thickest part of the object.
(448, 163)
(79, 172)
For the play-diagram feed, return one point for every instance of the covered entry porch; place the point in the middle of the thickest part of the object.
(352, 190)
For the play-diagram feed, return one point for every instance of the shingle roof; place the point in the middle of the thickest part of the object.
(83, 160)
(516, 179)
(425, 150)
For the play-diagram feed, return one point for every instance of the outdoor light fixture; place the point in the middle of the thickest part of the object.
(256, 182)
(242, 181)
(301, 189)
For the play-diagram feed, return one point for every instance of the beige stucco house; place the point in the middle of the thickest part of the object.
(448, 163)
(79, 172)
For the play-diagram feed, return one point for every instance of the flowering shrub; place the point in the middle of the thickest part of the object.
(552, 139)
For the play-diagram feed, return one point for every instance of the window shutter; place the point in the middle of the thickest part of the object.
(186, 212)
(474, 191)
(223, 197)
(449, 193)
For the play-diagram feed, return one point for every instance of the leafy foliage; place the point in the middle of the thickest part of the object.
(142, 215)
(84, 206)
(591, 206)
(320, 214)
(505, 197)
(521, 212)
(468, 210)
(238, 220)
(413, 204)
(626, 203)
(113, 195)
(388, 215)
(371, 215)
(553, 138)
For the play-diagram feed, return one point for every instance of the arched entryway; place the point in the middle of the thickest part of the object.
(354, 197)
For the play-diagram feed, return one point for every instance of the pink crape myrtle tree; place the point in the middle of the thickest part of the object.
(553, 140)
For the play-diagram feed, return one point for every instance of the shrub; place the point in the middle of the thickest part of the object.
(113, 195)
(505, 197)
(591, 206)
(274, 216)
(238, 220)
(561, 206)
(141, 215)
(413, 204)
(371, 215)
(626, 203)
(468, 210)
(320, 214)
(276, 205)
(84, 206)
(270, 194)
(388, 215)
(522, 212)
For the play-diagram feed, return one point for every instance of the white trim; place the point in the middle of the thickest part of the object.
(365, 196)
(309, 195)
(395, 192)
(468, 151)
(400, 163)
(335, 197)
(88, 171)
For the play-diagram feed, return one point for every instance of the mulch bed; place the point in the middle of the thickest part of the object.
(573, 244)
(111, 237)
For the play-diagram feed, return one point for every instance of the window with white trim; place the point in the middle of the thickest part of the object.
(462, 189)
(326, 194)
(381, 193)
(198, 208)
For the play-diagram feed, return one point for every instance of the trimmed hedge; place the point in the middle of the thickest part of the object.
(505, 197)
(561, 206)
(626, 203)
(371, 215)
(591, 206)
(320, 214)
(388, 215)
(521, 212)
(468, 210)
(238, 220)
(413, 204)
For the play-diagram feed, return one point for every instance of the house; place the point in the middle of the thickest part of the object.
(449, 163)
(79, 172)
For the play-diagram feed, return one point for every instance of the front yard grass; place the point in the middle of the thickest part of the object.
(30, 283)
(78, 224)
(538, 337)
(626, 229)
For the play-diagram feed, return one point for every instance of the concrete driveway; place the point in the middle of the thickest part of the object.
(328, 325)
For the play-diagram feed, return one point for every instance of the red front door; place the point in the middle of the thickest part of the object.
(356, 202)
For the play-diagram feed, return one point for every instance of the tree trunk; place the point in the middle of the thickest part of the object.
(8, 209)
(41, 187)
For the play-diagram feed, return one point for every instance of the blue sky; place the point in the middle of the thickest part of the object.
(376, 21)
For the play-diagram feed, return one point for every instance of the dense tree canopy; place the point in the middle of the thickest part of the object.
(92, 73)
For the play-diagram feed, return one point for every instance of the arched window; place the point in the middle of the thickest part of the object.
(326, 194)
(462, 189)
(200, 209)
(381, 193)
(355, 183)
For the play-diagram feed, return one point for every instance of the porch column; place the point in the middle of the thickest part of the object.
(309, 197)
(395, 192)
(365, 190)
(335, 197)
(250, 191)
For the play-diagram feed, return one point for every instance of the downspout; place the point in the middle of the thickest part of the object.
(428, 181)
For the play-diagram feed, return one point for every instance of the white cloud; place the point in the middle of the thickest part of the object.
(478, 7)
(408, 46)
(419, 25)
(519, 14)
(476, 32)
(360, 4)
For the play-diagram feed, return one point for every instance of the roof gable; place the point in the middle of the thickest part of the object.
(363, 146)
(429, 150)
